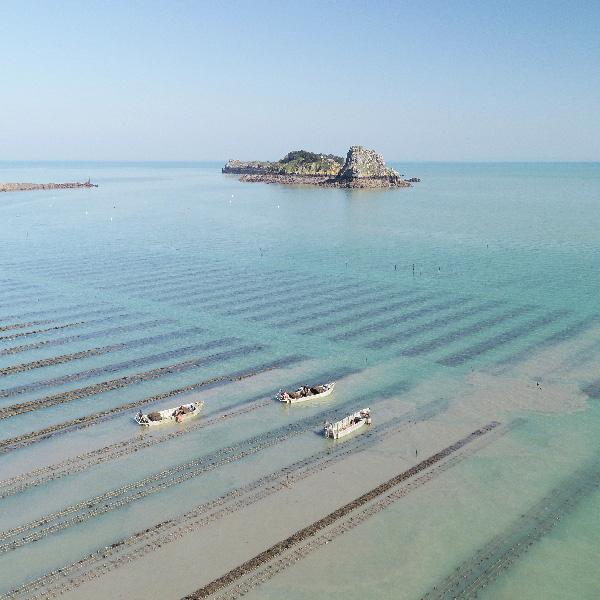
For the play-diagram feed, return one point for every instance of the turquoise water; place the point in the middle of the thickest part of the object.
(477, 287)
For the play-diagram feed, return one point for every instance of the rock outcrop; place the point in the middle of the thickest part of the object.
(362, 169)
(366, 169)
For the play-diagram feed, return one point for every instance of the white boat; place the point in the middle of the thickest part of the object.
(306, 393)
(177, 414)
(348, 424)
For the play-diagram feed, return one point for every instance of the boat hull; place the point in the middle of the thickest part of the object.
(348, 425)
(169, 415)
(324, 394)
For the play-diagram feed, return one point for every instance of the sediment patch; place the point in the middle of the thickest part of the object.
(316, 527)
(124, 495)
(139, 544)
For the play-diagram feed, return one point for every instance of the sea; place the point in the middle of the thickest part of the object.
(464, 311)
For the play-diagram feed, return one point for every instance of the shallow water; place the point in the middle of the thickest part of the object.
(469, 298)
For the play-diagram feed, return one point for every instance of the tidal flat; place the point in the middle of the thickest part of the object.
(463, 311)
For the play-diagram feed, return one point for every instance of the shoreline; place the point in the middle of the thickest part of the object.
(323, 180)
(28, 187)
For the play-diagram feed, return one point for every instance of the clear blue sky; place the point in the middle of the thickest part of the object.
(418, 80)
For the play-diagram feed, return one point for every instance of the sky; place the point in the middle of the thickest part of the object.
(174, 80)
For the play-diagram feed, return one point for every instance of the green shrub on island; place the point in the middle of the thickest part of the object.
(297, 162)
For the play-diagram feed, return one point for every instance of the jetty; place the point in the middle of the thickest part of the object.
(29, 187)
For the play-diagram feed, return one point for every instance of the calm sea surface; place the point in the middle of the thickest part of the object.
(470, 300)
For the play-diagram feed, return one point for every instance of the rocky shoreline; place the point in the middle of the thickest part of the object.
(362, 168)
(365, 183)
(28, 187)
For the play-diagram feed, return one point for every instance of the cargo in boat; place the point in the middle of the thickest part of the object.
(348, 424)
(306, 392)
(177, 414)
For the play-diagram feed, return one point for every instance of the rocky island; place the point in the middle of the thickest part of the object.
(27, 187)
(362, 168)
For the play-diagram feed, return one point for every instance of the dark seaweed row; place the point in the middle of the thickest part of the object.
(23, 325)
(102, 455)
(116, 367)
(14, 336)
(315, 302)
(358, 300)
(136, 490)
(281, 296)
(563, 335)
(52, 312)
(175, 287)
(32, 437)
(172, 275)
(64, 358)
(236, 296)
(314, 528)
(260, 575)
(458, 334)
(327, 299)
(236, 499)
(216, 285)
(91, 335)
(127, 380)
(435, 324)
(396, 319)
(215, 295)
(523, 330)
(480, 570)
(187, 278)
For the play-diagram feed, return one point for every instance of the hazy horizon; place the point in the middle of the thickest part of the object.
(190, 81)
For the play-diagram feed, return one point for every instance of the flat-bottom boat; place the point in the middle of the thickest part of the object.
(306, 393)
(177, 414)
(348, 424)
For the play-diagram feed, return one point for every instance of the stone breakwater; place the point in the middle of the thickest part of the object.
(362, 168)
(28, 187)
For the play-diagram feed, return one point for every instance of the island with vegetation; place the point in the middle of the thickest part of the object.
(362, 168)
(28, 187)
